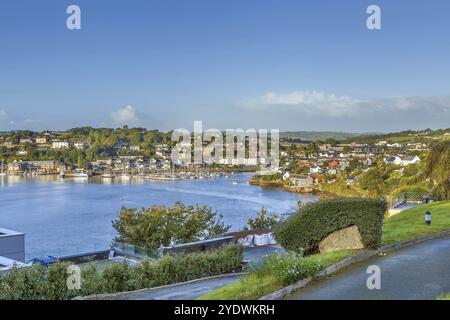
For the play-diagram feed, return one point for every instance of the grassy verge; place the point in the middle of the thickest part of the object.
(404, 226)
(256, 285)
(444, 297)
(410, 223)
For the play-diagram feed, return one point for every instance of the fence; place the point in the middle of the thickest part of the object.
(405, 198)
(146, 253)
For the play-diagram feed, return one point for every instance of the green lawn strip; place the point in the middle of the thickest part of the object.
(444, 297)
(406, 225)
(253, 286)
(410, 223)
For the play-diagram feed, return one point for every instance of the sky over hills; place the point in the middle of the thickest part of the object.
(288, 64)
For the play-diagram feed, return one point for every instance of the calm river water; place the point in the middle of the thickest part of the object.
(63, 217)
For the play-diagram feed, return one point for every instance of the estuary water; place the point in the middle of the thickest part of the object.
(69, 216)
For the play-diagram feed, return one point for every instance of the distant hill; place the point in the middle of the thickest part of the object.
(319, 135)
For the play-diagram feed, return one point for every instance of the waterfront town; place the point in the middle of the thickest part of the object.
(136, 152)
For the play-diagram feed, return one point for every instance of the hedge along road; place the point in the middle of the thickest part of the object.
(417, 272)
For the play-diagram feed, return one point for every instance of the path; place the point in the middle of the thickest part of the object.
(418, 272)
(195, 289)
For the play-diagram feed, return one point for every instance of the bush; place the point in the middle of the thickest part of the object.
(36, 283)
(50, 283)
(303, 231)
(162, 226)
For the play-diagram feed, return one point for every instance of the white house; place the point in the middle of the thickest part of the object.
(314, 169)
(393, 160)
(60, 144)
(41, 140)
(410, 160)
(26, 140)
(81, 145)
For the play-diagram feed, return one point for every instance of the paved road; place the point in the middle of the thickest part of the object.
(188, 291)
(418, 272)
(193, 290)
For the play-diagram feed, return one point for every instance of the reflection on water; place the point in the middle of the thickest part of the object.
(69, 216)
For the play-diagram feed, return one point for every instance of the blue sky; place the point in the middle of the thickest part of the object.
(293, 65)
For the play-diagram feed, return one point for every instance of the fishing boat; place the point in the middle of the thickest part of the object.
(108, 175)
(80, 174)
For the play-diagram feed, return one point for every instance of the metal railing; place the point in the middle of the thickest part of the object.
(405, 198)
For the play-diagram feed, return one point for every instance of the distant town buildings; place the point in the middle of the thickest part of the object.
(61, 144)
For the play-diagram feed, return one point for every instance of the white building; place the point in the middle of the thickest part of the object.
(26, 140)
(12, 245)
(393, 160)
(410, 160)
(61, 144)
(81, 145)
(41, 140)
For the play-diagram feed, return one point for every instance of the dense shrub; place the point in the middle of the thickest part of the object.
(313, 222)
(50, 283)
(162, 226)
(36, 283)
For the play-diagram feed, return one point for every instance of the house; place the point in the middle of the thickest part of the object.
(302, 181)
(41, 140)
(395, 160)
(315, 169)
(81, 145)
(8, 144)
(61, 144)
(25, 140)
(367, 162)
(22, 152)
(395, 145)
(16, 166)
(332, 171)
(410, 160)
(333, 164)
(135, 148)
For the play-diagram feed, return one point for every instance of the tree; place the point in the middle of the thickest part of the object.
(162, 226)
(262, 221)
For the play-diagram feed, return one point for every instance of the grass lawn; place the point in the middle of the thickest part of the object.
(253, 286)
(444, 297)
(411, 223)
(403, 226)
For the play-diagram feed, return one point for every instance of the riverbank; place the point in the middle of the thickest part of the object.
(284, 185)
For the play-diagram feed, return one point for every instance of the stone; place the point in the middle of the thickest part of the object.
(344, 239)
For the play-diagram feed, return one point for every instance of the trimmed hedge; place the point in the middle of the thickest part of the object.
(50, 283)
(304, 230)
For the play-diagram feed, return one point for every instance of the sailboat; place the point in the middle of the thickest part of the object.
(2, 174)
(62, 173)
(108, 175)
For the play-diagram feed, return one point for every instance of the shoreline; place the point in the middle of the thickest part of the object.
(280, 185)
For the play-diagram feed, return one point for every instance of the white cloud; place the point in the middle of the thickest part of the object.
(3, 115)
(125, 116)
(29, 121)
(330, 104)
